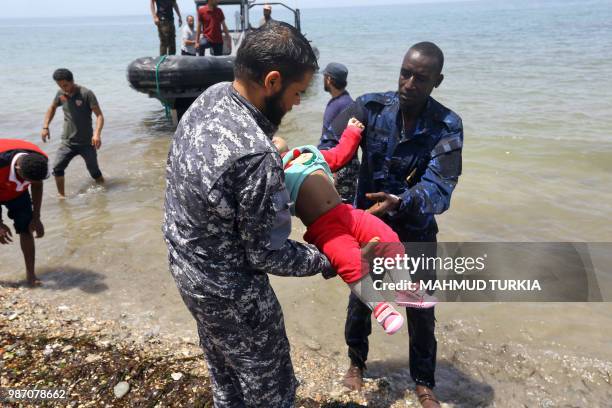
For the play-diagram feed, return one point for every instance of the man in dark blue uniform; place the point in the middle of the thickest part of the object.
(410, 166)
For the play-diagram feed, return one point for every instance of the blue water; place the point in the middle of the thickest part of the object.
(535, 69)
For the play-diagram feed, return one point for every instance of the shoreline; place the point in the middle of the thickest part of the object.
(48, 345)
(60, 347)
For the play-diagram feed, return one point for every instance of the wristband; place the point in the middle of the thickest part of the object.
(45, 128)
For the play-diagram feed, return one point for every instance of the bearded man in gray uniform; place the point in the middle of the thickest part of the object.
(227, 219)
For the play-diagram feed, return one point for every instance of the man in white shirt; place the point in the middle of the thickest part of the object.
(188, 38)
(267, 15)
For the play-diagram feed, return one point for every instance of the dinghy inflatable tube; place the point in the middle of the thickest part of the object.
(178, 74)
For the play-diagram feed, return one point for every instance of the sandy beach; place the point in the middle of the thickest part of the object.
(76, 346)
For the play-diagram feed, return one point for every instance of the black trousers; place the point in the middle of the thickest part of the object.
(421, 331)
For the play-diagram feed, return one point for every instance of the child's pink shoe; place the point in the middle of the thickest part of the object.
(388, 317)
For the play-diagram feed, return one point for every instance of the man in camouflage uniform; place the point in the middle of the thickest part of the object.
(227, 219)
(410, 166)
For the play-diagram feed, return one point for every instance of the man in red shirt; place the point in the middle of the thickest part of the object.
(22, 165)
(210, 22)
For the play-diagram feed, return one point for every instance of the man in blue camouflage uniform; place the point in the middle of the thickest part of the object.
(227, 219)
(410, 166)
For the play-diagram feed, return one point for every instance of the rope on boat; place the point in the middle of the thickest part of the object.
(167, 107)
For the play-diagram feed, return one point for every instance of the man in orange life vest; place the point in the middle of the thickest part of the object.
(22, 165)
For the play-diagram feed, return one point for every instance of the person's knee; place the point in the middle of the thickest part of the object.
(22, 223)
(26, 236)
(59, 168)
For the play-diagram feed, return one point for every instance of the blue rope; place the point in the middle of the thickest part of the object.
(163, 101)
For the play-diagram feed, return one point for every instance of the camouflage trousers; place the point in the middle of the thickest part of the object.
(246, 349)
(346, 180)
(167, 37)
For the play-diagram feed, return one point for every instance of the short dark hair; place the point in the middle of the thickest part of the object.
(276, 46)
(337, 83)
(34, 166)
(430, 50)
(63, 74)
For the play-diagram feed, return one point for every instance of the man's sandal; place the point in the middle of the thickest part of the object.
(427, 399)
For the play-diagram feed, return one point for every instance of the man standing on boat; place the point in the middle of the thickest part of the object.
(267, 15)
(227, 219)
(410, 166)
(335, 81)
(163, 17)
(208, 30)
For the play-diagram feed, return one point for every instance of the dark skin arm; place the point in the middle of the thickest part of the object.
(36, 189)
(384, 203)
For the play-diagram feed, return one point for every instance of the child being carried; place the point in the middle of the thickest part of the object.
(339, 230)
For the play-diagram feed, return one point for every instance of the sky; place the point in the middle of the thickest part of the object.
(75, 8)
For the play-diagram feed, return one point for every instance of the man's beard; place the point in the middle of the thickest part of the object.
(325, 87)
(273, 109)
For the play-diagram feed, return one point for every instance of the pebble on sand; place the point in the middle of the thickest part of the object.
(121, 389)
